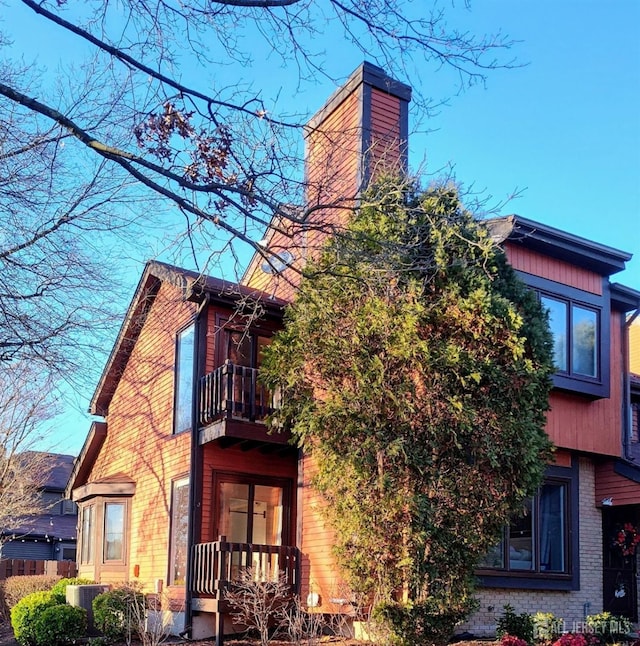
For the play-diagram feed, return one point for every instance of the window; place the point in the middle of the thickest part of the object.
(575, 336)
(86, 535)
(252, 509)
(185, 355)
(537, 549)
(579, 323)
(179, 529)
(114, 531)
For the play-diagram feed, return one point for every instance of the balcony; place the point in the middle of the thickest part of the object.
(233, 404)
(215, 566)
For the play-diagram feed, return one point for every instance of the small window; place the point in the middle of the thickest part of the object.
(537, 541)
(86, 534)
(114, 531)
(69, 507)
(185, 356)
(179, 529)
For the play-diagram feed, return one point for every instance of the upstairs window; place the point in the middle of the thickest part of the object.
(580, 325)
(185, 356)
(576, 337)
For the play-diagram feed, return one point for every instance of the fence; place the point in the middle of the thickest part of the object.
(24, 567)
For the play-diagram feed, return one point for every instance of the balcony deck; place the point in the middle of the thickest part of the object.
(216, 565)
(233, 404)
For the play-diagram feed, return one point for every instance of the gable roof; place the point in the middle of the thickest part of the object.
(58, 468)
(195, 287)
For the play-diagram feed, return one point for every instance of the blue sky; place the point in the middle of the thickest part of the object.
(563, 129)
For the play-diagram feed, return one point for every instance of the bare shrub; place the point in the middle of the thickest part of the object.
(17, 587)
(259, 600)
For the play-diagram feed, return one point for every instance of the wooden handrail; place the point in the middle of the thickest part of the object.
(233, 392)
(216, 564)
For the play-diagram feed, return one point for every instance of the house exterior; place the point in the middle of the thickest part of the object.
(50, 535)
(182, 484)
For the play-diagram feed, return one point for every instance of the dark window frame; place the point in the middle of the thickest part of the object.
(594, 387)
(252, 480)
(182, 382)
(542, 579)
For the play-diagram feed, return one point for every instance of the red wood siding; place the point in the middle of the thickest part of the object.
(579, 423)
(537, 264)
(334, 175)
(610, 484)
(140, 440)
(319, 572)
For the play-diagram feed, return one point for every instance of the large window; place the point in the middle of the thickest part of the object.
(185, 355)
(179, 529)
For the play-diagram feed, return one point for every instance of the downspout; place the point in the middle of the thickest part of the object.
(195, 475)
(626, 384)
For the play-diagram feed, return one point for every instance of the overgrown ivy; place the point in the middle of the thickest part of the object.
(415, 369)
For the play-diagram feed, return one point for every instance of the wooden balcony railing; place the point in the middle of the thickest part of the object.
(233, 392)
(215, 565)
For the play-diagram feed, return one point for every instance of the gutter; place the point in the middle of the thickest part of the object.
(195, 467)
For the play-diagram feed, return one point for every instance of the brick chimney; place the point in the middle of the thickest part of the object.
(361, 131)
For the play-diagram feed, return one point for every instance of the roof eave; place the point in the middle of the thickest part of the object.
(553, 242)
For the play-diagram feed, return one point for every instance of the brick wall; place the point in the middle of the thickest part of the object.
(568, 605)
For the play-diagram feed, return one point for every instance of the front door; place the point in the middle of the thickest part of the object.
(619, 565)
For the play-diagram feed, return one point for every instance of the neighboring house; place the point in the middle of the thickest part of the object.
(50, 535)
(182, 485)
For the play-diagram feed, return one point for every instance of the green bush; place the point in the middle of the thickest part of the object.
(18, 587)
(60, 625)
(25, 614)
(117, 613)
(419, 622)
(516, 625)
(609, 628)
(60, 588)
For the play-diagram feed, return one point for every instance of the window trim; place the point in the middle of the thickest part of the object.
(594, 387)
(544, 580)
(175, 483)
(178, 385)
(98, 562)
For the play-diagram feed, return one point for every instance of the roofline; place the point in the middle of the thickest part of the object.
(624, 298)
(559, 244)
(90, 449)
(195, 287)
